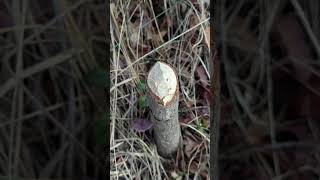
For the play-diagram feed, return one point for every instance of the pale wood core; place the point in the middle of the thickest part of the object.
(162, 81)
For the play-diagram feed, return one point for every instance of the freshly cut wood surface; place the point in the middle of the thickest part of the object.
(162, 81)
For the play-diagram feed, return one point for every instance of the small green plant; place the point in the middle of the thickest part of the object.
(141, 86)
(143, 102)
(199, 125)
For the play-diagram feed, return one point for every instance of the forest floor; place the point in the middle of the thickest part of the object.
(269, 126)
(178, 33)
(52, 97)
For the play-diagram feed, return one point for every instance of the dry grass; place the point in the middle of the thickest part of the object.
(141, 34)
(48, 112)
(258, 95)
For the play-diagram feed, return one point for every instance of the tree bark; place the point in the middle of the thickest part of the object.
(163, 98)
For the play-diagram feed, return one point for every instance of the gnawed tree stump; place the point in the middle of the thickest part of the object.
(163, 98)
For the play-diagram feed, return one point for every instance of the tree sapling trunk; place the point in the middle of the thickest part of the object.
(163, 98)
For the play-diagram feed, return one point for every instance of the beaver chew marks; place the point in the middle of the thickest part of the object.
(162, 81)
